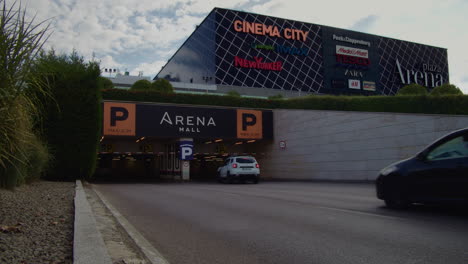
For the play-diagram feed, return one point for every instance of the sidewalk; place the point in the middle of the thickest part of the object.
(104, 236)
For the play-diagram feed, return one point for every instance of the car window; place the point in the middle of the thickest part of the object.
(452, 149)
(245, 160)
(227, 161)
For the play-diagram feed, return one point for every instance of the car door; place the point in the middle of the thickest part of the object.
(442, 173)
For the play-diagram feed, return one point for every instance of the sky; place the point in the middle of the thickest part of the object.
(141, 35)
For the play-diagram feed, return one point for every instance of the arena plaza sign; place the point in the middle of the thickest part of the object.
(269, 30)
(425, 76)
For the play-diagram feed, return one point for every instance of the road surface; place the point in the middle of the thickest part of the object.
(286, 222)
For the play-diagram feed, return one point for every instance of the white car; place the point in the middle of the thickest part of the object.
(239, 168)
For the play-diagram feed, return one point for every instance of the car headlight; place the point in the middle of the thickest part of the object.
(388, 170)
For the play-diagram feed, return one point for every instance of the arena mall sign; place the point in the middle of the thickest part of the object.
(269, 30)
(151, 120)
(426, 76)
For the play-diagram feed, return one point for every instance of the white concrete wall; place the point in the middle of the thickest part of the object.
(334, 145)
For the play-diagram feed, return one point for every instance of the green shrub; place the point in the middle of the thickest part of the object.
(276, 97)
(38, 159)
(73, 115)
(105, 83)
(412, 89)
(457, 105)
(162, 85)
(446, 89)
(20, 41)
(141, 85)
(233, 94)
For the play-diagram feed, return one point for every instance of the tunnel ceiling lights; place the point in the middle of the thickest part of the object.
(218, 140)
(239, 143)
(208, 142)
(251, 141)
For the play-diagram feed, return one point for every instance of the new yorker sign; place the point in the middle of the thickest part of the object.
(151, 120)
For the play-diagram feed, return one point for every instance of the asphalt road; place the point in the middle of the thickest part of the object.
(284, 222)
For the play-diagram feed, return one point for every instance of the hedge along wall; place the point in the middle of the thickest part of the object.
(453, 105)
(73, 116)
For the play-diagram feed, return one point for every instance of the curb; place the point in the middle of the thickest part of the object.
(152, 254)
(88, 245)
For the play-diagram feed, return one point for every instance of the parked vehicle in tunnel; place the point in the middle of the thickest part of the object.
(240, 169)
(439, 173)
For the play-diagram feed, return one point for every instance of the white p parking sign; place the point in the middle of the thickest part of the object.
(186, 150)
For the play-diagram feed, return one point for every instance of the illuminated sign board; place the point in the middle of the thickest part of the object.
(361, 53)
(258, 63)
(269, 30)
(152, 120)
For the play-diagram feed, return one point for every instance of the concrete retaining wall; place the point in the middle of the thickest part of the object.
(334, 145)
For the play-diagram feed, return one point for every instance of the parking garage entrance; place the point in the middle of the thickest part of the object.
(153, 140)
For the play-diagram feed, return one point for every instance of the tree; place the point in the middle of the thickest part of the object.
(412, 89)
(162, 85)
(72, 114)
(446, 89)
(141, 85)
(105, 83)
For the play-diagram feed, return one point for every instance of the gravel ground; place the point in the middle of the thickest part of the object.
(36, 223)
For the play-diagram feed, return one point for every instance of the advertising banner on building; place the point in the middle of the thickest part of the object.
(125, 119)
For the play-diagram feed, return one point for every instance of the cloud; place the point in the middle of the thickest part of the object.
(138, 33)
(365, 24)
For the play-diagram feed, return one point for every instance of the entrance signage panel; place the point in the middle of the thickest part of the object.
(119, 119)
(169, 121)
(249, 124)
(186, 150)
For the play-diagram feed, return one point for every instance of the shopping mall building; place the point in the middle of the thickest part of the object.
(258, 55)
(262, 55)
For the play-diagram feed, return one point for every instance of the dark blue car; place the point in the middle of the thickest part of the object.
(437, 174)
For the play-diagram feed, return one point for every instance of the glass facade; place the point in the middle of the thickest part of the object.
(236, 48)
(194, 62)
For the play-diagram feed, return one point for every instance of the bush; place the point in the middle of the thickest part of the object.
(105, 83)
(141, 85)
(162, 86)
(20, 41)
(446, 89)
(455, 105)
(73, 115)
(276, 97)
(233, 94)
(412, 89)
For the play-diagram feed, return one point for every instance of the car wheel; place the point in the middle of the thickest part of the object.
(396, 200)
(228, 177)
(255, 180)
(218, 177)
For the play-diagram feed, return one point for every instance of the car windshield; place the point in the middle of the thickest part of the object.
(245, 160)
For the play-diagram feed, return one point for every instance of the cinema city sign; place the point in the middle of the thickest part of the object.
(272, 31)
(429, 75)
